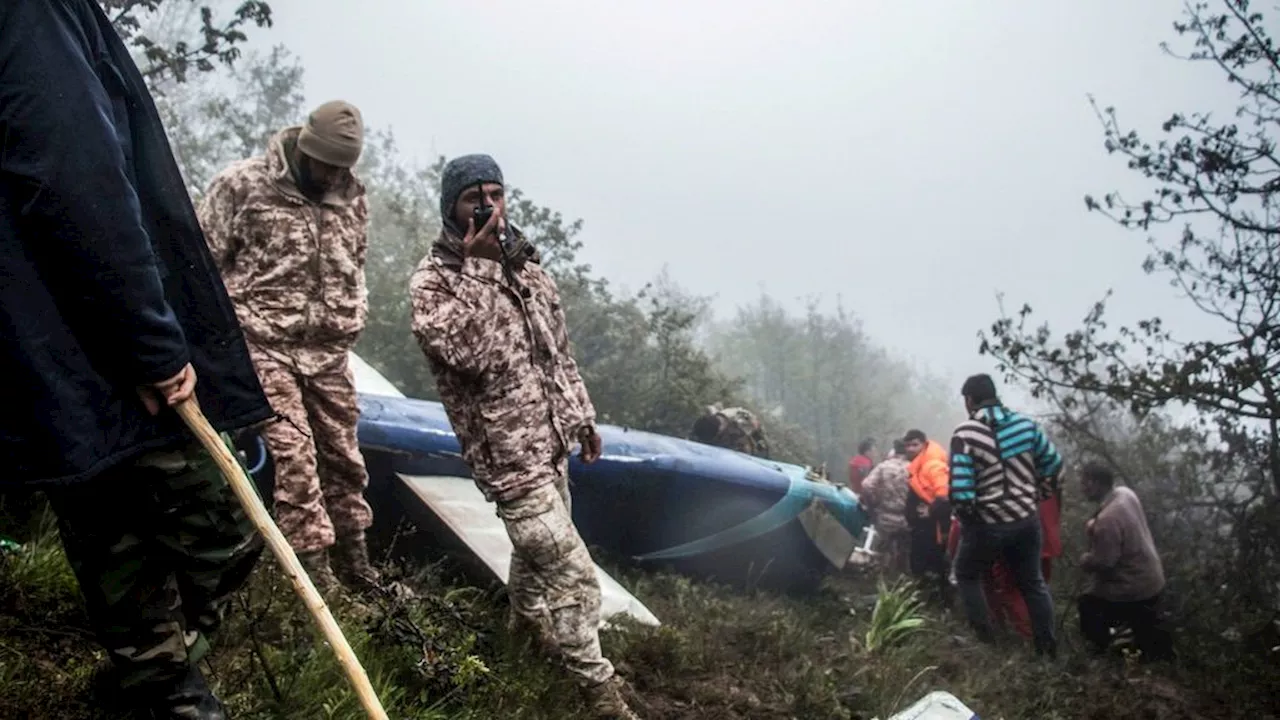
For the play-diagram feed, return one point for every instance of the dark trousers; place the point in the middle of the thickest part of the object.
(1099, 616)
(928, 561)
(158, 545)
(1018, 545)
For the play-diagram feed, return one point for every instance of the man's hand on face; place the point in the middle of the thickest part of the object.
(176, 389)
(484, 242)
(592, 446)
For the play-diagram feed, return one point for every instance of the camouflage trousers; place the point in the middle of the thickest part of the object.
(895, 550)
(553, 580)
(158, 545)
(320, 477)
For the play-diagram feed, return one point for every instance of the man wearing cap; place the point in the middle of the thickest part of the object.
(488, 319)
(288, 231)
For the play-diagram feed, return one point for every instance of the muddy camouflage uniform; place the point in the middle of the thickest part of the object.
(295, 271)
(739, 430)
(125, 534)
(500, 355)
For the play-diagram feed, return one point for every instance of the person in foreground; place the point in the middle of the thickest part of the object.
(111, 311)
(1002, 465)
(489, 321)
(288, 230)
(1125, 575)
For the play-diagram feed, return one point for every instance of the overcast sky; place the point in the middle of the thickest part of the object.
(912, 157)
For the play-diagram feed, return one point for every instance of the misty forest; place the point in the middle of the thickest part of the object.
(1191, 424)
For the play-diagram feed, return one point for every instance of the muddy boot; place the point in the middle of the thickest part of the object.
(351, 563)
(605, 701)
(188, 699)
(316, 563)
(540, 632)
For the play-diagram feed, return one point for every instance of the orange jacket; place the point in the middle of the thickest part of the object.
(930, 473)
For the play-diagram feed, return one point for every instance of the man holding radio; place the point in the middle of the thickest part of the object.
(489, 320)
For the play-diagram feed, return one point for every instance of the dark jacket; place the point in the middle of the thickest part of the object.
(106, 282)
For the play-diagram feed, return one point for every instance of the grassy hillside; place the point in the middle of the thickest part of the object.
(720, 655)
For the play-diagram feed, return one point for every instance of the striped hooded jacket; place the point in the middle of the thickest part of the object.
(1002, 465)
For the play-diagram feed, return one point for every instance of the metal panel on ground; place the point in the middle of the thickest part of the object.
(462, 507)
(937, 705)
(368, 380)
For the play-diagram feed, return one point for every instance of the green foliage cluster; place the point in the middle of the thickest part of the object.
(1192, 423)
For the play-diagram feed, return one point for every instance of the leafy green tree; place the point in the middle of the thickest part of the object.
(403, 222)
(214, 41)
(1212, 226)
(211, 125)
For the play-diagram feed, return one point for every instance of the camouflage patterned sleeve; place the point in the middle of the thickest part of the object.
(362, 241)
(216, 212)
(570, 365)
(362, 251)
(448, 326)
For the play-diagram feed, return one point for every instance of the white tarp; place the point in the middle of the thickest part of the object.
(460, 504)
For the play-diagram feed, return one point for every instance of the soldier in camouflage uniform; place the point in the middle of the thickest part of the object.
(734, 428)
(489, 320)
(884, 495)
(169, 509)
(112, 312)
(288, 231)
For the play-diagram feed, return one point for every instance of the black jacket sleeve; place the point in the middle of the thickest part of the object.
(65, 155)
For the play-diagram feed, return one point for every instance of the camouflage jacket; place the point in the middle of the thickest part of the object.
(741, 431)
(294, 268)
(500, 356)
(884, 493)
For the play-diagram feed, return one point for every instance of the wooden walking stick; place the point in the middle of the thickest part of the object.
(248, 496)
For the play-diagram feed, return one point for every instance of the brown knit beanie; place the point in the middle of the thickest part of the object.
(334, 134)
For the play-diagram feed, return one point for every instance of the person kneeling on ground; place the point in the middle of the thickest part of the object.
(489, 321)
(1002, 465)
(1125, 575)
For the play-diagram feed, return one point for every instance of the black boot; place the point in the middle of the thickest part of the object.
(188, 699)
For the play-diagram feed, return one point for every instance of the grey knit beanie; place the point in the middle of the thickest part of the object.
(461, 173)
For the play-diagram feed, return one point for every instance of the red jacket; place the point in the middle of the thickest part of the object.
(859, 467)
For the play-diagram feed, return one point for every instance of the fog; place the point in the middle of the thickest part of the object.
(911, 159)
